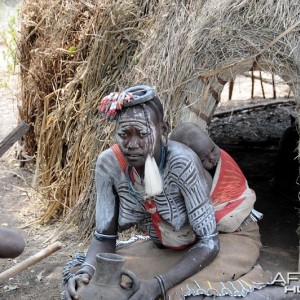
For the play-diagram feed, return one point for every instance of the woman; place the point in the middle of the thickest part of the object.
(161, 186)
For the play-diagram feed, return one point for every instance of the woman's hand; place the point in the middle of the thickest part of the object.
(71, 287)
(148, 290)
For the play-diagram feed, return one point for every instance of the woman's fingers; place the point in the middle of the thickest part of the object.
(75, 282)
(126, 284)
(67, 295)
(71, 288)
(85, 279)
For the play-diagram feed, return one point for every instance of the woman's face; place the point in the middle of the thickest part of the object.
(137, 134)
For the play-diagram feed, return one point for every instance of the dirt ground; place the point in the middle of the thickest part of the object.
(19, 209)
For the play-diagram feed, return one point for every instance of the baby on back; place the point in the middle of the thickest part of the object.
(231, 196)
(194, 137)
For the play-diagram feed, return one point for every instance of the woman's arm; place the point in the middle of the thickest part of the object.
(105, 235)
(192, 182)
(187, 173)
(197, 258)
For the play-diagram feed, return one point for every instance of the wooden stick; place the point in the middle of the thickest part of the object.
(274, 87)
(32, 260)
(231, 84)
(252, 84)
(14, 136)
(262, 85)
(237, 109)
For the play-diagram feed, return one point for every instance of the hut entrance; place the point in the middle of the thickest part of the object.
(250, 131)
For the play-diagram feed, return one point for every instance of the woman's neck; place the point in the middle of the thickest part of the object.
(141, 172)
(157, 157)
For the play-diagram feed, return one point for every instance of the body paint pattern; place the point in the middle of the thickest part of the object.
(185, 198)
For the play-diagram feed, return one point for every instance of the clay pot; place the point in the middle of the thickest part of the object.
(105, 284)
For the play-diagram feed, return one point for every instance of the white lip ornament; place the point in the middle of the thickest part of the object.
(152, 177)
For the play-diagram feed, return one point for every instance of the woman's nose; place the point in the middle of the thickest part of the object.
(133, 143)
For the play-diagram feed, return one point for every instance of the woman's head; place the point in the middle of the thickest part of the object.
(116, 103)
(199, 141)
(140, 125)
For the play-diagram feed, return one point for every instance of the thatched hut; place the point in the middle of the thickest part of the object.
(74, 52)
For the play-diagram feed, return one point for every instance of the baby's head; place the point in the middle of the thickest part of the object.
(194, 137)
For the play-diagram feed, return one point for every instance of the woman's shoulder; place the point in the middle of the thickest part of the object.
(181, 157)
(107, 161)
(109, 166)
(179, 150)
(105, 154)
(183, 162)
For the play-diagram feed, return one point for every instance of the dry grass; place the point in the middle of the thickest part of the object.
(72, 53)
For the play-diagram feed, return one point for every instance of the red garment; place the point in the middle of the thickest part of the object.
(232, 198)
(170, 238)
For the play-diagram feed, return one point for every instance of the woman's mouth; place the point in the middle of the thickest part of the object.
(133, 156)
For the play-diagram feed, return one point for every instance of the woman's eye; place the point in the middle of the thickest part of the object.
(122, 134)
(143, 134)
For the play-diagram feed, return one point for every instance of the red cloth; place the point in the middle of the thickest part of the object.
(176, 240)
(232, 198)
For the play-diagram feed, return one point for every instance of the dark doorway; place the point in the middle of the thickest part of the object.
(251, 136)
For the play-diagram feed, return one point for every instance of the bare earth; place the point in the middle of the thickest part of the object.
(43, 280)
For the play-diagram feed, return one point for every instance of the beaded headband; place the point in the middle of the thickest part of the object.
(114, 102)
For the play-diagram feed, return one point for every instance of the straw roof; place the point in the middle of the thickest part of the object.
(72, 53)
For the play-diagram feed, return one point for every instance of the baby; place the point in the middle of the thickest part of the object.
(199, 141)
(232, 198)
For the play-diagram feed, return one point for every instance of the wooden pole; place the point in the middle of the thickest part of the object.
(231, 84)
(252, 81)
(262, 85)
(32, 260)
(274, 87)
(14, 136)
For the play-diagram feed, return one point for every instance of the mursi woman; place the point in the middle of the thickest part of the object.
(160, 185)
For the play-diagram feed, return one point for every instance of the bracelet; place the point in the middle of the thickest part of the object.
(88, 265)
(161, 285)
(76, 261)
(101, 236)
(84, 272)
